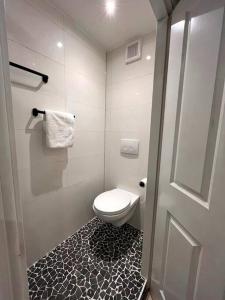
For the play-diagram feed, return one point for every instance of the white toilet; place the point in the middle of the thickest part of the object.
(115, 206)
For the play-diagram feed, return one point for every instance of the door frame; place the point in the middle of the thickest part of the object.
(13, 256)
(162, 10)
(153, 167)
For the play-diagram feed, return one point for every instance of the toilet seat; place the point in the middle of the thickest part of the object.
(116, 206)
(113, 202)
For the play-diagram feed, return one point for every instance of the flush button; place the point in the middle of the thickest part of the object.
(129, 146)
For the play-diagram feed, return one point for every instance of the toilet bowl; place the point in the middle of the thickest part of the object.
(115, 206)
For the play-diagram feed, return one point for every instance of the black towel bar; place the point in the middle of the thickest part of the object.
(36, 111)
(44, 77)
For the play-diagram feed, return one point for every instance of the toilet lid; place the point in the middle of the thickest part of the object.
(112, 202)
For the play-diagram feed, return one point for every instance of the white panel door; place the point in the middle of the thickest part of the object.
(189, 247)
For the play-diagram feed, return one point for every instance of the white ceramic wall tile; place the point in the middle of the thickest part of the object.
(47, 198)
(23, 102)
(87, 118)
(57, 186)
(43, 177)
(118, 70)
(26, 90)
(31, 28)
(31, 59)
(41, 232)
(31, 149)
(89, 167)
(84, 58)
(87, 143)
(65, 210)
(79, 200)
(128, 114)
(136, 117)
(74, 28)
(83, 89)
(131, 92)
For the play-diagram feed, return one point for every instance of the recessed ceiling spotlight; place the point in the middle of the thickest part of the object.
(148, 57)
(59, 44)
(110, 7)
(179, 26)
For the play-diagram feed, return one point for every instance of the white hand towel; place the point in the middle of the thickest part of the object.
(59, 128)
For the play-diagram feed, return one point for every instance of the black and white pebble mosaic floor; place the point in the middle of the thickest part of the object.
(99, 261)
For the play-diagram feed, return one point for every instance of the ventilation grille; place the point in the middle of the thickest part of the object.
(133, 51)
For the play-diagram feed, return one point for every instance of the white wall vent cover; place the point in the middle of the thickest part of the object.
(133, 51)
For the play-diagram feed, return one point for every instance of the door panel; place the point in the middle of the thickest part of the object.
(189, 247)
(197, 90)
(180, 267)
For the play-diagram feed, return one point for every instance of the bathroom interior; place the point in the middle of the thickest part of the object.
(116, 134)
(86, 50)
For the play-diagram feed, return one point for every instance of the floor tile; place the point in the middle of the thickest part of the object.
(99, 261)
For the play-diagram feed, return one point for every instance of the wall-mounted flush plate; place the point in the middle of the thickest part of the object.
(129, 146)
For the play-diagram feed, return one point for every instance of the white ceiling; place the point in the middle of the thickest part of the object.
(132, 18)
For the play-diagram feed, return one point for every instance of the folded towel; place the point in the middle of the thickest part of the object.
(59, 128)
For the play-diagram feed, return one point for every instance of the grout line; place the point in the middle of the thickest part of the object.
(35, 51)
(106, 69)
(73, 234)
(117, 82)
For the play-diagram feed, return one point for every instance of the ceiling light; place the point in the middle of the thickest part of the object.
(110, 7)
(179, 26)
(148, 57)
(59, 44)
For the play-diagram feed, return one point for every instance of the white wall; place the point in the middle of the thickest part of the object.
(57, 186)
(128, 110)
(13, 278)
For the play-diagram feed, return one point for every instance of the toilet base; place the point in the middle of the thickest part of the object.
(117, 220)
